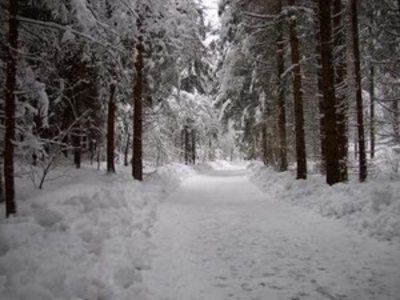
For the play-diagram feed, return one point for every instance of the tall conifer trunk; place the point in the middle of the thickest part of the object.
(321, 103)
(329, 96)
(111, 131)
(341, 97)
(282, 164)
(127, 146)
(298, 98)
(362, 158)
(372, 110)
(137, 160)
(10, 108)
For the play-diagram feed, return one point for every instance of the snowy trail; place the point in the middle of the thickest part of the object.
(219, 238)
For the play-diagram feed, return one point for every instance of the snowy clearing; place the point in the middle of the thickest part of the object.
(219, 237)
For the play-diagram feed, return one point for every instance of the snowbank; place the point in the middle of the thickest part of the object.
(87, 240)
(220, 165)
(372, 208)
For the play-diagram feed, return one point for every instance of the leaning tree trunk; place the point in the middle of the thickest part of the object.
(298, 100)
(329, 96)
(137, 159)
(282, 164)
(111, 131)
(362, 158)
(10, 107)
(342, 104)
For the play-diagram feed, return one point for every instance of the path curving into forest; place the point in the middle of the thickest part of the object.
(218, 238)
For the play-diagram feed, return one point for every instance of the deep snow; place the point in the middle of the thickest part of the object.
(85, 237)
(218, 237)
(372, 208)
(91, 237)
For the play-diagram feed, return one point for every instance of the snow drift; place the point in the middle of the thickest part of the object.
(83, 241)
(372, 208)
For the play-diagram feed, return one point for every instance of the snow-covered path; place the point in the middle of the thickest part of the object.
(218, 238)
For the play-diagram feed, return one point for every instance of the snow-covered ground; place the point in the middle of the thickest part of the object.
(86, 236)
(372, 208)
(90, 236)
(218, 237)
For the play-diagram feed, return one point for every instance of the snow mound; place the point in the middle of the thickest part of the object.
(372, 208)
(171, 175)
(83, 241)
(220, 165)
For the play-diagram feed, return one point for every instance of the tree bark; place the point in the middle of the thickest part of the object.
(111, 131)
(265, 144)
(77, 136)
(283, 164)
(321, 103)
(193, 147)
(298, 99)
(137, 159)
(77, 148)
(10, 107)
(126, 161)
(341, 104)
(372, 110)
(329, 96)
(2, 198)
(186, 144)
(362, 159)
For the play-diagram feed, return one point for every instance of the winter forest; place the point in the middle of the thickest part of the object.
(199, 150)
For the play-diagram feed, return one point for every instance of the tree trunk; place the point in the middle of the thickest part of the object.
(283, 164)
(372, 110)
(193, 147)
(265, 144)
(2, 198)
(186, 144)
(359, 101)
(321, 103)
(342, 104)
(137, 159)
(126, 161)
(77, 148)
(298, 100)
(395, 120)
(372, 84)
(329, 96)
(111, 131)
(10, 108)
